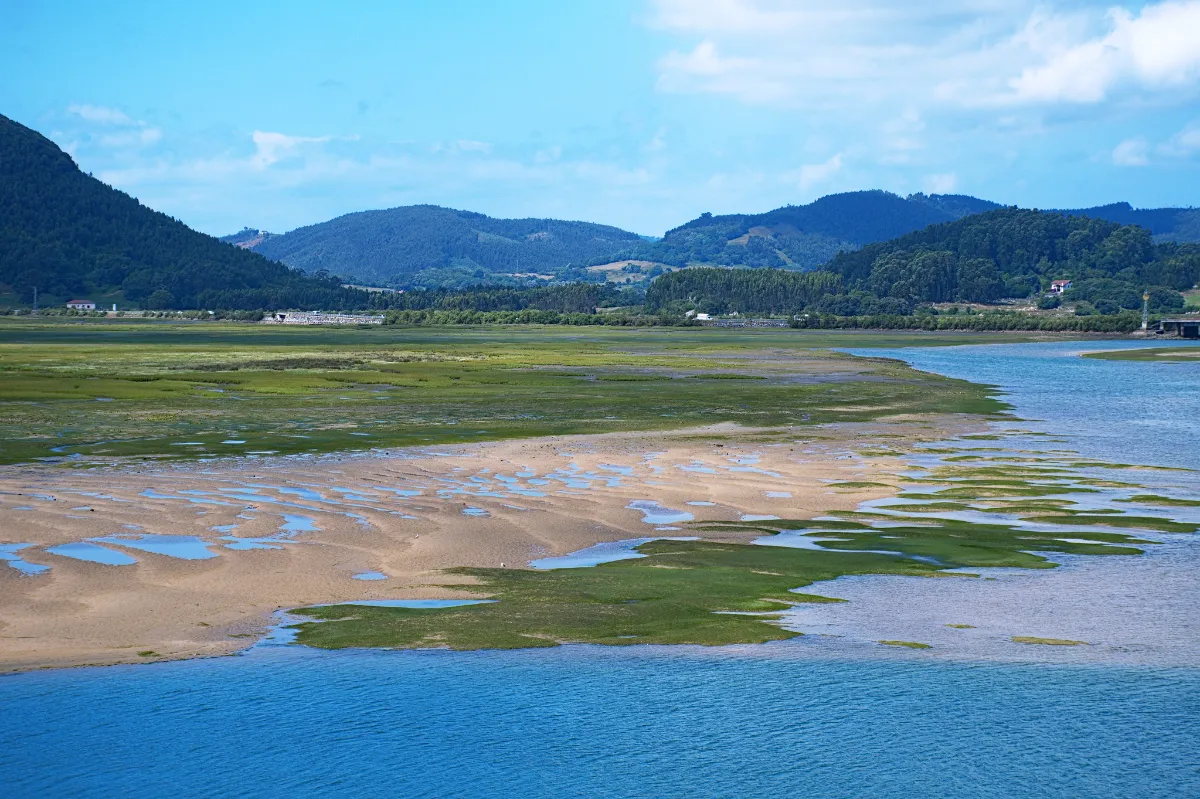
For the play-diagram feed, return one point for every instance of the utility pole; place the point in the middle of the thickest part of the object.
(35, 299)
(1146, 312)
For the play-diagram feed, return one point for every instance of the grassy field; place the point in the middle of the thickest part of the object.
(1178, 354)
(179, 390)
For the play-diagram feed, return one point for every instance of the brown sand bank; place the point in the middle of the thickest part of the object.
(405, 514)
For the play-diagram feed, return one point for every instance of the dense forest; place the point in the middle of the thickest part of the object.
(808, 236)
(425, 246)
(73, 236)
(565, 298)
(798, 236)
(1014, 253)
(719, 291)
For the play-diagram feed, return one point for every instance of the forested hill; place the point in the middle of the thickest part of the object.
(1015, 253)
(1166, 224)
(807, 236)
(426, 245)
(75, 237)
(802, 236)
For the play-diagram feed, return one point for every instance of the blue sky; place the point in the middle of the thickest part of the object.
(636, 113)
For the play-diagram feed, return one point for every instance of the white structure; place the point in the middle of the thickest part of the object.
(81, 305)
(1059, 286)
(317, 318)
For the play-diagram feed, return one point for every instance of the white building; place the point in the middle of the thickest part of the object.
(81, 305)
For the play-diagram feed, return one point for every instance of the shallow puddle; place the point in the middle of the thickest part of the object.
(369, 576)
(183, 547)
(607, 552)
(92, 553)
(8, 554)
(653, 513)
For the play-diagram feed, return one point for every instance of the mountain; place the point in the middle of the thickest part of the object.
(980, 258)
(807, 236)
(802, 236)
(1166, 224)
(73, 236)
(430, 246)
(1016, 253)
(426, 245)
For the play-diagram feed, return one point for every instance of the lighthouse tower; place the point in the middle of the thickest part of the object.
(1146, 312)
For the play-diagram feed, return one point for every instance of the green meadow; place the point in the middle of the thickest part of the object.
(99, 389)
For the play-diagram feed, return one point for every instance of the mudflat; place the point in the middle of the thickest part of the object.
(272, 533)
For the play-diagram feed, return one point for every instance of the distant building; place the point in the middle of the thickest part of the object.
(1059, 286)
(81, 305)
(316, 318)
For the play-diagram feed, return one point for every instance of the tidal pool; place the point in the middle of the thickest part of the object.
(606, 552)
(184, 547)
(653, 513)
(93, 553)
(8, 554)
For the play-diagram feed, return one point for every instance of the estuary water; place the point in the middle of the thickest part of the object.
(787, 719)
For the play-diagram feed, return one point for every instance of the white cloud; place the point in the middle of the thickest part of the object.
(143, 137)
(1184, 143)
(100, 114)
(122, 131)
(810, 175)
(271, 148)
(470, 146)
(941, 184)
(1159, 48)
(1131, 152)
(859, 54)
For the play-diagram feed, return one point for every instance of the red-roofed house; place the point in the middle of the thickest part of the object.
(82, 305)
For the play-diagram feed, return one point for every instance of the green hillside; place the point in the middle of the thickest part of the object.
(430, 246)
(796, 236)
(983, 258)
(72, 236)
(1015, 253)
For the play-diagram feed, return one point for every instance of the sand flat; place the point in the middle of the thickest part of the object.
(407, 514)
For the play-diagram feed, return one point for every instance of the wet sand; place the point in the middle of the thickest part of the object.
(317, 522)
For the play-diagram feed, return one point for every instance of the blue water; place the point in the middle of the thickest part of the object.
(184, 547)
(93, 553)
(1117, 411)
(782, 720)
(591, 722)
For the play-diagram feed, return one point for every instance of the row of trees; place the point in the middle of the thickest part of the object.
(763, 291)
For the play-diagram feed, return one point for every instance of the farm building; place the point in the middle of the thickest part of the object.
(81, 305)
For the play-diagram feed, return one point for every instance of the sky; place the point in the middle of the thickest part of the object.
(635, 113)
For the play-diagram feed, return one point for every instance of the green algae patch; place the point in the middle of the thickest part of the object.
(961, 626)
(1105, 520)
(854, 484)
(1155, 499)
(1032, 639)
(1177, 354)
(698, 601)
(907, 644)
(932, 507)
(689, 592)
